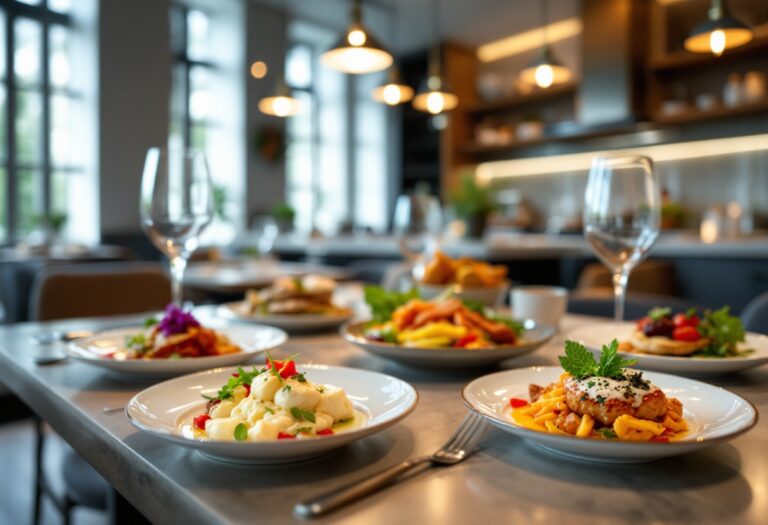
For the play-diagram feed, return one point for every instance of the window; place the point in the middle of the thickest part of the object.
(207, 45)
(336, 156)
(37, 163)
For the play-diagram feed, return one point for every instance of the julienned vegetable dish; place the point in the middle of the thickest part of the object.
(406, 320)
(273, 402)
(687, 334)
(601, 400)
(178, 334)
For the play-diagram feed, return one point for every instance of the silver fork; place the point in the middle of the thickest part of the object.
(460, 445)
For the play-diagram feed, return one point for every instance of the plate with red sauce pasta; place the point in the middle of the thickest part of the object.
(174, 343)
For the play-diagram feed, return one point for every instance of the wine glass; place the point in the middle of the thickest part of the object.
(417, 225)
(176, 205)
(622, 216)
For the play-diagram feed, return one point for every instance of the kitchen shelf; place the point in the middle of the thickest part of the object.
(695, 115)
(517, 101)
(684, 60)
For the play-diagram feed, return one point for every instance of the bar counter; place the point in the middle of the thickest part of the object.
(507, 481)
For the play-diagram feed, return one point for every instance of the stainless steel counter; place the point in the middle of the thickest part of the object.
(509, 481)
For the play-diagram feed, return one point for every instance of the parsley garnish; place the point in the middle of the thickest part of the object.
(607, 433)
(242, 378)
(241, 432)
(307, 430)
(151, 321)
(269, 410)
(475, 306)
(299, 377)
(303, 414)
(579, 362)
(658, 313)
(136, 342)
(724, 331)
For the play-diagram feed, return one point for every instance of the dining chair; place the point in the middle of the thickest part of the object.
(597, 303)
(755, 314)
(89, 290)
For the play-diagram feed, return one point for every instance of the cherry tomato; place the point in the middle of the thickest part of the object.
(283, 435)
(516, 402)
(285, 368)
(686, 333)
(325, 432)
(199, 421)
(683, 320)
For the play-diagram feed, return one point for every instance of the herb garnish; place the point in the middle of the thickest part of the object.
(306, 430)
(303, 414)
(299, 377)
(607, 433)
(242, 378)
(137, 342)
(383, 303)
(241, 432)
(658, 312)
(724, 332)
(579, 362)
(150, 321)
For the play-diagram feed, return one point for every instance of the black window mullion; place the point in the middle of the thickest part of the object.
(10, 129)
(46, 120)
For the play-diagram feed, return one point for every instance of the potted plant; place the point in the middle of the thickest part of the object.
(473, 203)
(284, 215)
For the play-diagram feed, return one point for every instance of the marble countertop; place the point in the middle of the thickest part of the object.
(519, 246)
(508, 481)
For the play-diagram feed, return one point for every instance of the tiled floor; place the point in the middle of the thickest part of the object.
(16, 477)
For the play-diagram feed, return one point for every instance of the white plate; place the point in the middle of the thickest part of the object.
(163, 408)
(534, 336)
(239, 275)
(254, 340)
(593, 336)
(291, 322)
(714, 415)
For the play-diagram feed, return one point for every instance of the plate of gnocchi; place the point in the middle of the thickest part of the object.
(275, 413)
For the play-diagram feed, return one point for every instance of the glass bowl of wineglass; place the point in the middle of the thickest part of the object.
(622, 216)
(176, 205)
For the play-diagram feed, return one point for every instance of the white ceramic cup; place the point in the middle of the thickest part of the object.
(543, 304)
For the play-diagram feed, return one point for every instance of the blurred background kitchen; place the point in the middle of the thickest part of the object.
(328, 124)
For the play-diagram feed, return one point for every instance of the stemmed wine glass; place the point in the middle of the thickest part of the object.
(176, 205)
(622, 216)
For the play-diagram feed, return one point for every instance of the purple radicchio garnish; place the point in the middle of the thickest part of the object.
(176, 321)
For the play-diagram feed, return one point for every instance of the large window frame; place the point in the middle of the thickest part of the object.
(180, 49)
(46, 18)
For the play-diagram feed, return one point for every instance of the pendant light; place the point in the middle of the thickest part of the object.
(720, 32)
(282, 103)
(394, 91)
(435, 96)
(357, 51)
(545, 70)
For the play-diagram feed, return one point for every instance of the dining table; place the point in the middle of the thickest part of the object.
(506, 480)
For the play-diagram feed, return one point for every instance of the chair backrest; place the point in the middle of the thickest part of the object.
(755, 314)
(652, 277)
(636, 306)
(99, 289)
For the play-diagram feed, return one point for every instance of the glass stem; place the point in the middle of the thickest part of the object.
(620, 279)
(178, 265)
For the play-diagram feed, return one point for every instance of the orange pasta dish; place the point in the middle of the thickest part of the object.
(601, 400)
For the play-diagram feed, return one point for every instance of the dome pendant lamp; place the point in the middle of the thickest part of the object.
(357, 51)
(281, 104)
(394, 91)
(720, 32)
(435, 95)
(545, 71)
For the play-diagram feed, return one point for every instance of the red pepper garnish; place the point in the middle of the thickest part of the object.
(660, 439)
(464, 341)
(247, 389)
(285, 368)
(199, 421)
(325, 432)
(283, 435)
(516, 402)
(235, 375)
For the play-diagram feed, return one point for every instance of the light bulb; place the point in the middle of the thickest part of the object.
(281, 106)
(356, 37)
(435, 102)
(717, 41)
(545, 75)
(392, 95)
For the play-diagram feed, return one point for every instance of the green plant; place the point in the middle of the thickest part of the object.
(282, 212)
(220, 199)
(471, 200)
